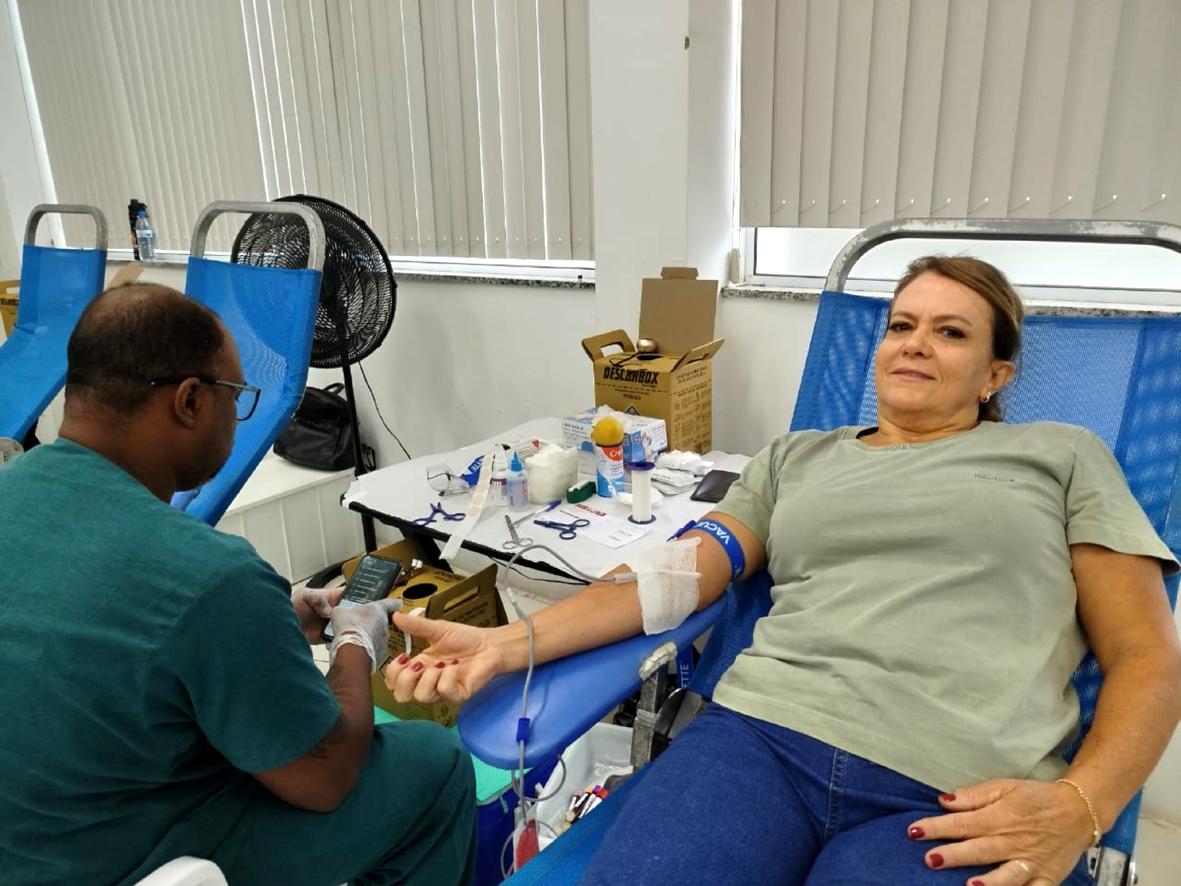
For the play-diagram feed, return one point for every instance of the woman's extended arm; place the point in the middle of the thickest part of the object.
(461, 659)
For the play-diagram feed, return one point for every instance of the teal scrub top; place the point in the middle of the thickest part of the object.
(149, 663)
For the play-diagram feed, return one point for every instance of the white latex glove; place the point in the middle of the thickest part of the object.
(312, 607)
(367, 626)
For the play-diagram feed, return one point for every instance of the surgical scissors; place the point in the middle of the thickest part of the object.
(566, 531)
(436, 512)
(515, 543)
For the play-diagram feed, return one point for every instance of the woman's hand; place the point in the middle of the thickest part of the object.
(1033, 831)
(459, 661)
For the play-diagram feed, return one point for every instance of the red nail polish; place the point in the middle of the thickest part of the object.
(947, 798)
(977, 883)
(935, 860)
(416, 667)
(455, 661)
(440, 664)
(403, 658)
(916, 833)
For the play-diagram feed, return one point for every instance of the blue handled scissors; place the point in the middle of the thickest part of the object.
(436, 512)
(566, 531)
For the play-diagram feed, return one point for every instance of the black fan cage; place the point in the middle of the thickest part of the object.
(358, 294)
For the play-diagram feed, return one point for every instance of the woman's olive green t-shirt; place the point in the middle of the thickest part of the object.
(923, 608)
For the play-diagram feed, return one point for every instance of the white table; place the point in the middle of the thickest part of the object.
(399, 494)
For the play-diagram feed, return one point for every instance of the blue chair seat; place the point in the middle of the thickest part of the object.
(270, 312)
(56, 286)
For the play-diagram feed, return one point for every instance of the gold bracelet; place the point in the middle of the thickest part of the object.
(1095, 832)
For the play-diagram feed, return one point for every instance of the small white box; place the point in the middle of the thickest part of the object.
(643, 437)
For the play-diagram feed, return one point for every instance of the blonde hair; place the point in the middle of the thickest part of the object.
(991, 285)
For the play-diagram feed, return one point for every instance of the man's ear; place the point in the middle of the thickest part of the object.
(187, 403)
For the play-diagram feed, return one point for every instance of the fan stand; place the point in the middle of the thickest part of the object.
(367, 529)
(366, 521)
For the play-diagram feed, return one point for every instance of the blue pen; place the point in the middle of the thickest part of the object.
(682, 530)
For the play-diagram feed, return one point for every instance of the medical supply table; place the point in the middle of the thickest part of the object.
(399, 495)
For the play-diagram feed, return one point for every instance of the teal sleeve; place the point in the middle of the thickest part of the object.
(245, 670)
(751, 498)
(1101, 510)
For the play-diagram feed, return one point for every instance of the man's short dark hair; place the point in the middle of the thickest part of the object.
(132, 334)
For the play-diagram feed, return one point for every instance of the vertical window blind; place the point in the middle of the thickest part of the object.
(453, 127)
(148, 100)
(457, 128)
(859, 111)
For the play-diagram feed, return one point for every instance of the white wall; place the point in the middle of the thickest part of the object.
(757, 372)
(639, 141)
(464, 362)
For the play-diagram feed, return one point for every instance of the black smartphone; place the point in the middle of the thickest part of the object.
(713, 486)
(373, 579)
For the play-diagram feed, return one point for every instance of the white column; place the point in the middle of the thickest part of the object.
(712, 135)
(22, 178)
(639, 135)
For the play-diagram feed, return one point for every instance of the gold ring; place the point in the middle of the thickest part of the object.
(1024, 867)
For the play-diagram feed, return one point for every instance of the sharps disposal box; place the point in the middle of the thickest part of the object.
(675, 382)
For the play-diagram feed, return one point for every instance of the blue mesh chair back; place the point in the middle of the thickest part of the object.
(56, 286)
(1119, 377)
(270, 312)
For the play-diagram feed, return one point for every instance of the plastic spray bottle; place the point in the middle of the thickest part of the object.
(517, 484)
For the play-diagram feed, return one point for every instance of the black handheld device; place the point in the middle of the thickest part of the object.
(713, 486)
(372, 580)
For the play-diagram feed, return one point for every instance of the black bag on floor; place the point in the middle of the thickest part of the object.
(320, 434)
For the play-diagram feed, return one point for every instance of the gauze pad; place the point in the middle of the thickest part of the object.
(667, 584)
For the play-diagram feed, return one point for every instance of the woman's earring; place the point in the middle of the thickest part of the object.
(987, 396)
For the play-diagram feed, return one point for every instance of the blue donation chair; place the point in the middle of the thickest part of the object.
(1116, 376)
(271, 313)
(56, 286)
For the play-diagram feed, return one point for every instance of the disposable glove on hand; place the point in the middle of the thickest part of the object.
(313, 607)
(367, 626)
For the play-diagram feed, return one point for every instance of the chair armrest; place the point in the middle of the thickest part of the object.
(566, 697)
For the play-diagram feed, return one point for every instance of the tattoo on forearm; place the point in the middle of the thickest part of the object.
(334, 736)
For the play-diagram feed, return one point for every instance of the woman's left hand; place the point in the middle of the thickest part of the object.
(1033, 831)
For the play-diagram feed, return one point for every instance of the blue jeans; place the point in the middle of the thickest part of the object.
(739, 800)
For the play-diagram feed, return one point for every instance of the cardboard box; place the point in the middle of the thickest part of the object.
(676, 383)
(8, 302)
(444, 595)
(643, 438)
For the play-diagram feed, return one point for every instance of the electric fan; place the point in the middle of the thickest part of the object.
(358, 294)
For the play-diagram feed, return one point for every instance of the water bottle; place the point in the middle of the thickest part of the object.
(145, 237)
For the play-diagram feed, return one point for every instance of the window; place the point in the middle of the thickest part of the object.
(859, 113)
(1132, 275)
(856, 113)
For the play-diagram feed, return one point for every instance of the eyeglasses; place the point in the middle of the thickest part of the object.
(245, 396)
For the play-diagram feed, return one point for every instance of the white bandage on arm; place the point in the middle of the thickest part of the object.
(667, 584)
